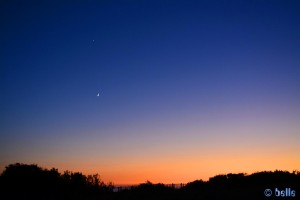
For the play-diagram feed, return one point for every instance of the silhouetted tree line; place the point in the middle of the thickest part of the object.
(21, 181)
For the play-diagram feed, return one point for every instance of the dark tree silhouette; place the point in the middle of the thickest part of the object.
(21, 181)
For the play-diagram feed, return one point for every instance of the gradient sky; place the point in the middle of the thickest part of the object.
(188, 89)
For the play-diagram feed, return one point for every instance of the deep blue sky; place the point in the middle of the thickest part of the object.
(161, 67)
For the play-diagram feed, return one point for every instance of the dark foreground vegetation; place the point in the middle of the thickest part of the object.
(21, 181)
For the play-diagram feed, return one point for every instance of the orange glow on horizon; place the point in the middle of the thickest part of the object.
(184, 168)
(190, 168)
(176, 159)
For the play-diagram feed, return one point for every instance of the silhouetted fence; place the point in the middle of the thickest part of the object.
(129, 187)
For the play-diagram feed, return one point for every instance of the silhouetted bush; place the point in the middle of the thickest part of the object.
(21, 181)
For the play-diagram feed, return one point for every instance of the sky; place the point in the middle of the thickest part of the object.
(187, 89)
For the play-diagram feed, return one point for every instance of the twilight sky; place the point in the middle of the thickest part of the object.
(188, 89)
